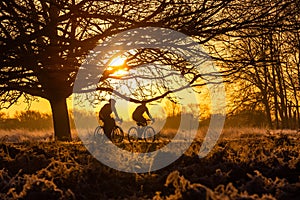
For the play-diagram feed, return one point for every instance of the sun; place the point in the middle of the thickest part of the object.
(117, 63)
(118, 66)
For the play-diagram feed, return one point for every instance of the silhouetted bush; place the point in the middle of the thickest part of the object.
(31, 120)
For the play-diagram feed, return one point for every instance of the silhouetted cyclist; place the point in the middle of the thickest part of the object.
(137, 115)
(105, 115)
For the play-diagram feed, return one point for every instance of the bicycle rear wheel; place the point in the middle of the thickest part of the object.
(149, 134)
(117, 134)
(99, 134)
(133, 134)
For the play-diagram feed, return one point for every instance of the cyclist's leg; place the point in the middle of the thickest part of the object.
(105, 128)
(142, 124)
(140, 121)
(143, 121)
(110, 125)
(136, 119)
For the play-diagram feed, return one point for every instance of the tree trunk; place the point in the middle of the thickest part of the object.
(60, 119)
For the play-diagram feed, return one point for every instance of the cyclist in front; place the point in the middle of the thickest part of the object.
(137, 115)
(105, 115)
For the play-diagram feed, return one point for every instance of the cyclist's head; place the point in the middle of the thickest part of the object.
(112, 101)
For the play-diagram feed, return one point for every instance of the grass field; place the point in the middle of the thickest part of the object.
(245, 164)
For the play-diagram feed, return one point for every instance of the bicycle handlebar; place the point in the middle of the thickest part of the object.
(150, 120)
(119, 120)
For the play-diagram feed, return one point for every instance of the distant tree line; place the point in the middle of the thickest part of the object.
(35, 120)
(30, 120)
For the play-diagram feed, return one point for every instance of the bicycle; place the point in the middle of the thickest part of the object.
(141, 132)
(117, 134)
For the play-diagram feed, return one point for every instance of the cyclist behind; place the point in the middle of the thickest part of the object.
(105, 115)
(137, 115)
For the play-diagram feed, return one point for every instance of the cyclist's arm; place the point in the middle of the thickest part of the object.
(148, 113)
(115, 112)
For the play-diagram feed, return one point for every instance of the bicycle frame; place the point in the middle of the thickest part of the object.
(117, 134)
(141, 133)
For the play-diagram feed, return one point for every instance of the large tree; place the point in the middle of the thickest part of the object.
(43, 43)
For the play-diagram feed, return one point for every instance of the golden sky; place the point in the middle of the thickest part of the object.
(124, 108)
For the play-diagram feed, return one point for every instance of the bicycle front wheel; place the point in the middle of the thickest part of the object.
(133, 134)
(117, 134)
(149, 134)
